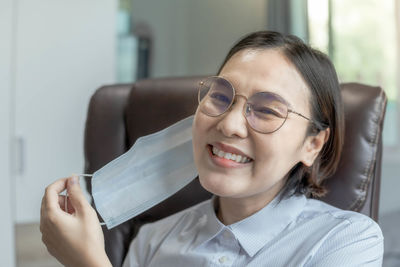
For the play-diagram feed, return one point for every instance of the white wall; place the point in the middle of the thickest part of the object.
(7, 255)
(192, 37)
(64, 51)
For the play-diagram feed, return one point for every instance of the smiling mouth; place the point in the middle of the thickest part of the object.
(229, 156)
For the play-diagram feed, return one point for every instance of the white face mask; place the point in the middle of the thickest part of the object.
(156, 167)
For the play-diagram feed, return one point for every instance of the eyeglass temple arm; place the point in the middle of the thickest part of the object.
(299, 114)
(318, 125)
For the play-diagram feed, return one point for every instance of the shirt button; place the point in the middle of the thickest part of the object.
(223, 259)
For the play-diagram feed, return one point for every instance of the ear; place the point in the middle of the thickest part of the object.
(313, 145)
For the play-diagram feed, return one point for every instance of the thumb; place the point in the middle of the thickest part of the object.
(75, 194)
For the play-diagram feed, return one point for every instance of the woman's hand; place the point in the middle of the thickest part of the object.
(73, 236)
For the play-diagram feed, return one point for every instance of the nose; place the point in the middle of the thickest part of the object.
(233, 123)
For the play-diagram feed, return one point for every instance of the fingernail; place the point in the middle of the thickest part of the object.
(73, 180)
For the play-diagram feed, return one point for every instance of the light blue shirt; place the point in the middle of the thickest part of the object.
(295, 232)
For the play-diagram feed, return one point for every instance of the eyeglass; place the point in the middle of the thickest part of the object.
(265, 112)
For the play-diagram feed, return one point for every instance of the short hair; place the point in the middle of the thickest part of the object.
(326, 106)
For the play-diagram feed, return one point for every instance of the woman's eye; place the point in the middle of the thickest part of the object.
(266, 111)
(220, 97)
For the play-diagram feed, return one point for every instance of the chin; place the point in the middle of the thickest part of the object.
(219, 186)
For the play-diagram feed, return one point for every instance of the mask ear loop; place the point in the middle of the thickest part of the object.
(66, 192)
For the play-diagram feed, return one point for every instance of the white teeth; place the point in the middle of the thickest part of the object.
(227, 155)
(215, 150)
(230, 156)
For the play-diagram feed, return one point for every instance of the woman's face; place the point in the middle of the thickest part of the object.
(271, 155)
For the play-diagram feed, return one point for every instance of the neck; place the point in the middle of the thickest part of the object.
(231, 210)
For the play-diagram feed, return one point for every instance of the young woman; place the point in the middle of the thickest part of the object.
(268, 130)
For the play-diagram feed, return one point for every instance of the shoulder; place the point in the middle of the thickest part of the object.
(345, 236)
(151, 235)
(337, 220)
(315, 209)
(180, 220)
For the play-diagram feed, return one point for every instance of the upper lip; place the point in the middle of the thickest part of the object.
(230, 149)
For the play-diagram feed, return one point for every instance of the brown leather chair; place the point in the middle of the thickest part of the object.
(119, 114)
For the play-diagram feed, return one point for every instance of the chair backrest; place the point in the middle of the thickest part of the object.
(119, 114)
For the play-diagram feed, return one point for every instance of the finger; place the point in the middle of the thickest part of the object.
(42, 208)
(61, 202)
(75, 195)
(52, 191)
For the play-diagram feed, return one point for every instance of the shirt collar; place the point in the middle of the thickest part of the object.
(212, 226)
(254, 232)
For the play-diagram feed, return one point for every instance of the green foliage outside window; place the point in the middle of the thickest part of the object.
(363, 44)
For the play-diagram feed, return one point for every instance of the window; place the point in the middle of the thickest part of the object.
(127, 46)
(361, 37)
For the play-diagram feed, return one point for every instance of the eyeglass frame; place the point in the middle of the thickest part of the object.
(281, 99)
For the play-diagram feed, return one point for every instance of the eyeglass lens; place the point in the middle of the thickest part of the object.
(264, 111)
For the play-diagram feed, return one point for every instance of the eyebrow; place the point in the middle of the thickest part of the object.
(280, 98)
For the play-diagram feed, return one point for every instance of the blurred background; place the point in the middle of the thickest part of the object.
(55, 54)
